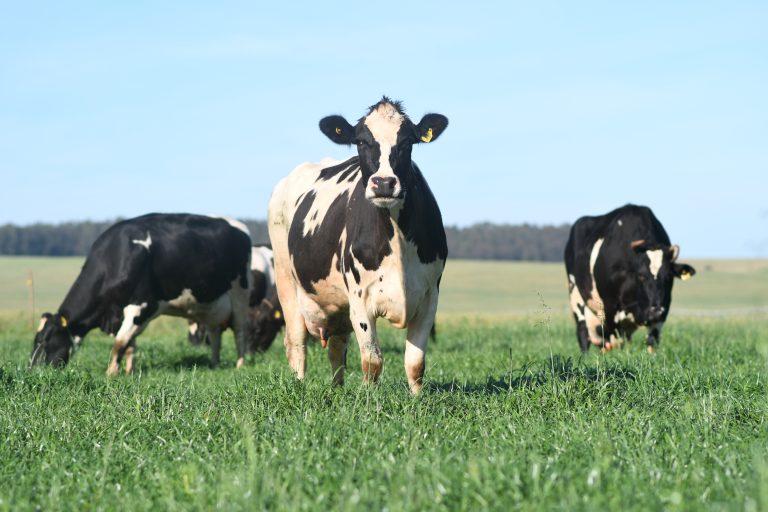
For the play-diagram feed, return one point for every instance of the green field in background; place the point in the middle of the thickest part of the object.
(730, 287)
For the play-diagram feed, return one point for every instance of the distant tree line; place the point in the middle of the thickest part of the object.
(483, 241)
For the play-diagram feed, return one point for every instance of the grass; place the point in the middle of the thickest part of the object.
(512, 416)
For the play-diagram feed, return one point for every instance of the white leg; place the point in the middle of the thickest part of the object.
(364, 325)
(416, 341)
(125, 335)
(239, 298)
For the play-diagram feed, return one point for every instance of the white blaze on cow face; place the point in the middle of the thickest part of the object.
(384, 124)
(656, 258)
(144, 243)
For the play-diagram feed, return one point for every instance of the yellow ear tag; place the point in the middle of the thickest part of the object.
(338, 131)
(277, 315)
(63, 322)
(428, 136)
(685, 276)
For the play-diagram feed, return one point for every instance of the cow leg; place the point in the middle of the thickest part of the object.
(371, 359)
(416, 342)
(337, 355)
(239, 297)
(654, 337)
(582, 334)
(129, 353)
(214, 334)
(135, 319)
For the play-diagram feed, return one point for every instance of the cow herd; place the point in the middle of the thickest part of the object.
(351, 241)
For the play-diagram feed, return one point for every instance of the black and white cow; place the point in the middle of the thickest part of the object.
(265, 315)
(158, 264)
(621, 267)
(358, 240)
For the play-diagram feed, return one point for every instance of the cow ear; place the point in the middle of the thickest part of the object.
(683, 271)
(674, 252)
(337, 129)
(430, 127)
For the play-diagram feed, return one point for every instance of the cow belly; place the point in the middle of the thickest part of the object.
(217, 312)
(327, 309)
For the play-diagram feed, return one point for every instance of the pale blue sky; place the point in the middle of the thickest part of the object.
(557, 109)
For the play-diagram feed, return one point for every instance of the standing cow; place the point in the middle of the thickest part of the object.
(264, 313)
(358, 240)
(621, 267)
(159, 264)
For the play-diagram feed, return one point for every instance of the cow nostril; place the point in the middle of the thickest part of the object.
(384, 186)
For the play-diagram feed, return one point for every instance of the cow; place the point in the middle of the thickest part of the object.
(183, 265)
(620, 268)
(358, 240)
(265, 315)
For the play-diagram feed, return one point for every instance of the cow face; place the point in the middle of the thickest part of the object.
(53, 341)
(647, 290)
(384, 139)
(266, 320)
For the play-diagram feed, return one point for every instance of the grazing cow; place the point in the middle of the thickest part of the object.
(158, 264)
(360, 239)
(266, 320)
(620, 269)
(264, 308)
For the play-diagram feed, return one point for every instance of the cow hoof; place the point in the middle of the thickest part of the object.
(113, 371)
(240, 362)
(651, 349)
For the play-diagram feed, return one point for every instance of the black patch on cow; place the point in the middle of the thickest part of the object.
(364, 326)
(421, 221)
(359, 293)
(313, 254)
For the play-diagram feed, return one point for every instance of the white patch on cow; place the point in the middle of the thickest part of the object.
(129, 329)
(193, 328)
(594, 254)
(620, 223)
(577, 302)
(596, 303)
(40, 326)
(232, 222)
(144, 243)
(384, 124)
(184, 301)
(623, 316)
(261, 261)
(656, 258)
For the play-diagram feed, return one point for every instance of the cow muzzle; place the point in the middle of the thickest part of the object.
(655, 314)
(384, 191)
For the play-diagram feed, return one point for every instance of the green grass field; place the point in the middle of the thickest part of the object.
(512, 417)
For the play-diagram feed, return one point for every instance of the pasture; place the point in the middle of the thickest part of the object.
(512, 416)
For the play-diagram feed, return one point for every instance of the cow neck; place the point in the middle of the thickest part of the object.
(80, 308)
(420, 220)
(369, 230)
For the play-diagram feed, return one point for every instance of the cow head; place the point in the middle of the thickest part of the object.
(53, 341)
(384, 138)
(266, 319)
(647, 291)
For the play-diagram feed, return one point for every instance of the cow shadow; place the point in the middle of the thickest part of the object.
(536, 374)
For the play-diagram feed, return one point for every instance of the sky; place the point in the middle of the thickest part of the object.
(556, 109)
